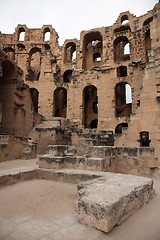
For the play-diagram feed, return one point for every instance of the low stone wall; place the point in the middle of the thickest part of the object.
(15, 147)
(104, 199)
(128, 160)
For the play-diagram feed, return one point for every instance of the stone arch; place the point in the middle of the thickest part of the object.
(123, 99)
(34, 50)
(69, 50)
(34, 67)
(34, 97)
(10, 52)
(148, 21)
(124, 19)
(47, 47)
(122, 71)
(119, 46)
(21, 46)
(46, 34)
(120, 126)
(21, 34)
(67, 75)
(90, 107)
(92, 50)
(60, 102)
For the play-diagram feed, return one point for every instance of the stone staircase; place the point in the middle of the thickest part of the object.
(53, 133)
(63, 146)
(65, 156)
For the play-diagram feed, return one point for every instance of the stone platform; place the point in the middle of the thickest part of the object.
(104, 199)
(108, 201)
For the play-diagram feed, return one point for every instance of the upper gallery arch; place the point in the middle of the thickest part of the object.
(69, 51)
(21, 32)
(124, 22)
(92, 50)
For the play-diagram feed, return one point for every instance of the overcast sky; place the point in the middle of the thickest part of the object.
(68, 17)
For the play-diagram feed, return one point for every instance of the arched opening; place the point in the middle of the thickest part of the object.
(34, 96)
(119, 127)
(34, 64)
(7, 89)
(46, 36)
(94, 123)
(90, 107)
(92, 50)
(147, 21)
(124, 19)
(122, 71)
(67, 75)
(10, 52)
(69, 52)
(147, 43)
(47, 47)
(123, 98)
(21, 34)
(144, 139)
(60, 102)
(21, 47)
(121, 49)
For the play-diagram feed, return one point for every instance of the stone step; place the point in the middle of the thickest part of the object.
(61, 150)
(98, 142)
(97, 151)
(51, 161)
(74, 162)
(14, 175)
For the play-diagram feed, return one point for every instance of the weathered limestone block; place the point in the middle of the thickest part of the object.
(51, 161)
(108, 201)
(61, 150)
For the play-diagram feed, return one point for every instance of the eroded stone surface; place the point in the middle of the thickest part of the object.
(108, 201)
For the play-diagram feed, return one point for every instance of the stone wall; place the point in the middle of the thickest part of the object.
(140, 161)
(90, 88)
(16, 111)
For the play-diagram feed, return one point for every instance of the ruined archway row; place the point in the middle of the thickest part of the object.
(111, 58)
(123, 96)
(95, 48)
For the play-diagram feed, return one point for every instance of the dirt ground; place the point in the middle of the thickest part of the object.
(45, 210)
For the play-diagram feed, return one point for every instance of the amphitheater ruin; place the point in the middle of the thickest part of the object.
(88, 111)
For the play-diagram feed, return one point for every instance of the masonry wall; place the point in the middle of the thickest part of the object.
(16, 106)
(101, 61)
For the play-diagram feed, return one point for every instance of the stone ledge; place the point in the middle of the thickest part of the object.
(104, 199)
(108, 201)
(50, 161)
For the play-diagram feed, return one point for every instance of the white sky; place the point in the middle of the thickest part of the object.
(68, 17)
